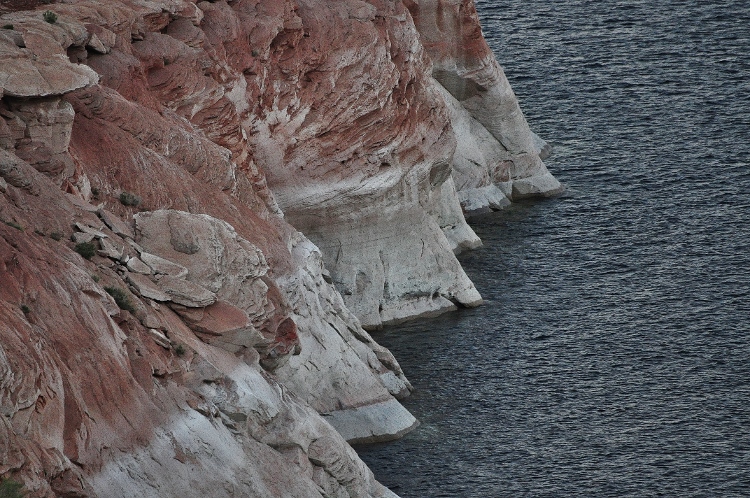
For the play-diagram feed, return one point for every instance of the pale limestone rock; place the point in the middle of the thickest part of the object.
(340, 366)
(109, 249)
(137, 266)
(17, 172)
(54, 75)
(149, 318)
(42, 68)
(136, 247)
(161, 266)
(143, 286)
(115, 224)
(216, 257)
(543, 184)
(185, 292)
(264, 415)
(382, 420)
(159, 338)
(483, 199)
(362, 173)
(494, 113)
(449, 215)
(101, 39)
(48, 121)
(231, 465)
(223, 325)
(333, 369)
(90, 230)
(486, 173)
(543, 148)
(13, 37)
(97, 45)
(366, 257)
(81, 237)
(494, 142)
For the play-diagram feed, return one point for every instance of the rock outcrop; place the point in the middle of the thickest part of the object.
(497, 158)
(204, 206)
(357, 146)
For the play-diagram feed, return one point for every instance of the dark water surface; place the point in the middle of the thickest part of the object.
(612, 357)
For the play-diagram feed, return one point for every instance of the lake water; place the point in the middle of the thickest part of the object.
(612, 356)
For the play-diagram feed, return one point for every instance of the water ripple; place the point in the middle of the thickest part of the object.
(611, 358)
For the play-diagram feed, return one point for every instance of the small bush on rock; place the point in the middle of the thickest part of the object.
(49, 16)
(179, 350)
(121, 298)
(56, 236)
(86, 249)
(8, 26)
(128, 199)
(11, 489)
(14, 225)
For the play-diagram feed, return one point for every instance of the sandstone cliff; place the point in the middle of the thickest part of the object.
(497, 158)
(204, 205)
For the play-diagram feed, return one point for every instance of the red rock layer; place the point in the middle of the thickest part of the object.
(167, 119)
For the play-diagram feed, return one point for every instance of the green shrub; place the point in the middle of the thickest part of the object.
(121, 298)
(95, 192)
(26, 310)
(56, 236)
(86, 249)
(95, 278)
(49, 16)
(8, 26)
(128, 199)
(179, 350)
(14, 225)
(11, 489)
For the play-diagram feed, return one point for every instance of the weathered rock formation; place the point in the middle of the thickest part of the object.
(204, 203)
(497, 158)
(357, 145)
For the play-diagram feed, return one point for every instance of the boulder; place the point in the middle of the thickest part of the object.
(109, 249)
(161, 266)
(185, 292)
(115, 224)
(137, 266)
(144, 287)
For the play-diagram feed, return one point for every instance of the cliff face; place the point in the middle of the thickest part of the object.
(203, 205)
(357, 144)
(498, 158)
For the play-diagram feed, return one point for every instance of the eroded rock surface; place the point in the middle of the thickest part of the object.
(165, 329)
(358, 147)
(496, 153)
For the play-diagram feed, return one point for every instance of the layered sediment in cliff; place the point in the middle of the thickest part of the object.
(203, 205)
(497, 158)
(358, 145)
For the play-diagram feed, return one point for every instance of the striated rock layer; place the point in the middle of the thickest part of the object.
(204, 205)
(497, 157)
(358, 145)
